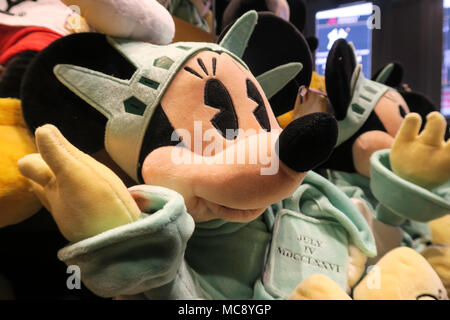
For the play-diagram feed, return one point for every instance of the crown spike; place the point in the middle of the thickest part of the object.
(385, 73)
(236, 39)
(275, 79)
(93, 87)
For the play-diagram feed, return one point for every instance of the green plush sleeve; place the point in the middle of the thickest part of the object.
(143, 257)
(342, 210)
(354, 186)
(312, 233)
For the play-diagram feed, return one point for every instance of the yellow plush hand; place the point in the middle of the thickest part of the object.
(84, 197)
(318, 287)
(438, 256)
(356, 266)
(440, 230)
(422, 159)
(401, 274)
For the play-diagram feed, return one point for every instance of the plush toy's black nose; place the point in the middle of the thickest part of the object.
(308, 141)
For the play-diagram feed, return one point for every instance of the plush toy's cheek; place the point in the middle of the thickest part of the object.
(366, 145)
(211, 98)
(391, 110)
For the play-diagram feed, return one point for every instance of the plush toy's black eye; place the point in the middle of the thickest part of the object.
(217, 96)
(260, 111)
(402, 111)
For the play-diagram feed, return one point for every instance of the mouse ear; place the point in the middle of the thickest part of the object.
(237, 8)
(313, 43)
(341, 63)
(297, 14)
(419, 103)
(267, 51)
(46, 100)
(390, 75)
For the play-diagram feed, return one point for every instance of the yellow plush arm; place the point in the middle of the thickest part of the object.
(84, 197)
(11, 113)
(17, 201)
(318, 82)
(312, 102)
(356, 266)
(440, 230)
(438, 256)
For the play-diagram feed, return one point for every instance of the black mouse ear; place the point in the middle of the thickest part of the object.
(11, 76)
(297, 16)
(390, 75)
(46, 100)
(341, 63)
(237, 8)
(267, 49)
(419, 103)
(313, 43)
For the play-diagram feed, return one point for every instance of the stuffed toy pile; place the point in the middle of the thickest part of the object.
(27, 27)
(236, 206)
(397, 202)
(253, 177)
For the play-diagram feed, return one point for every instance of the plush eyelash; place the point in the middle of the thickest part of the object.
(214, 65)
(204, 68)
(202, 65)
(192, 71)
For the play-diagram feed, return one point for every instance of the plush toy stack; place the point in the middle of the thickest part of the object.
(27, 27)
(213, 83)
(407, 187)
(256, 178)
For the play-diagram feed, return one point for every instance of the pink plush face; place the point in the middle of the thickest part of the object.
(210, 81)
(391, 110)
(228, 130)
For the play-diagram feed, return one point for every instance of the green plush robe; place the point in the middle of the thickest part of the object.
(416, 235)
(166, 255)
